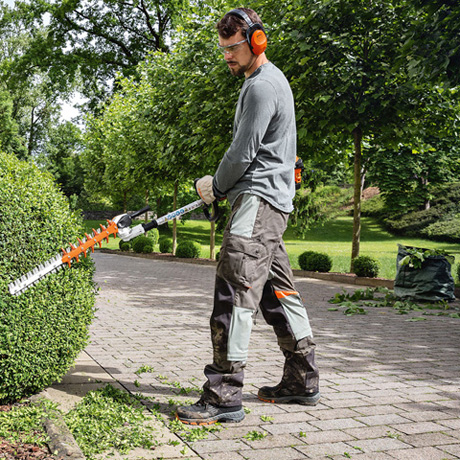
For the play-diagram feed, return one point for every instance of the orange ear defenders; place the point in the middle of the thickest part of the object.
(255, 34)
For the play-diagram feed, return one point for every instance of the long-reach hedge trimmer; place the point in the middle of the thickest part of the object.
(120, 225)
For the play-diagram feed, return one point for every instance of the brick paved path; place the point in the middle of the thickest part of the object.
(391, 388)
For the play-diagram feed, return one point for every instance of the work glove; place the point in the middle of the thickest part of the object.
(203, 187)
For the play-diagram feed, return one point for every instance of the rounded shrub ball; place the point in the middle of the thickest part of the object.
(302, 259)
(142, 245)
(366, 266)
(44, 329)
(148, 248)
(188, 250)
(166, 245)
(315, 261)
(124, 245)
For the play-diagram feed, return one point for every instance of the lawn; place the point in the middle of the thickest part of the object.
(333, 238)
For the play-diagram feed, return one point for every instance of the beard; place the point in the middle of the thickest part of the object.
(239, 70)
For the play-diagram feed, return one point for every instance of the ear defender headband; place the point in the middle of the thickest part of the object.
(255, 34)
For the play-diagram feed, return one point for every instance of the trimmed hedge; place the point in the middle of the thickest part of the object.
(366, 266)
(166, 245)
(188, 250)
(44, 329)
(315, 261)
(142, 245)
(124, 246)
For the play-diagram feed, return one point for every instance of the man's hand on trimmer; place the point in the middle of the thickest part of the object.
(203, 187)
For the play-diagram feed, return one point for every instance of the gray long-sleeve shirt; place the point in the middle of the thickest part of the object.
(262, 156)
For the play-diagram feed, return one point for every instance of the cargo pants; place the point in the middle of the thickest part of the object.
(254, 272)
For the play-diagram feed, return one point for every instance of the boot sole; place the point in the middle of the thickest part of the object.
(230, 417)
(304, 400)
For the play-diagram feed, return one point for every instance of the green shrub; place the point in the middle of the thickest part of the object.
(44, 329)
(165, 244)
(444, 230)
(315, 261)
(413, 222)
(302, 259)
(124, 245)
(188, 250)
(142, 245)
(375, 207)
(154, 235)
(458, 273)
(366, 266)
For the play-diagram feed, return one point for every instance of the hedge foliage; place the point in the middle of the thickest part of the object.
(165, 244)
(366, 266)
(441, 222)
(44, 329)
(142, 244)
(124, 246)
(188, 250)
(315, 261)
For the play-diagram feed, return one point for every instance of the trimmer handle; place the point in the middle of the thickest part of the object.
(138, 213)
(215, 214)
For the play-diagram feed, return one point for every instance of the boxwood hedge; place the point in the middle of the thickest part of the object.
(42, 330)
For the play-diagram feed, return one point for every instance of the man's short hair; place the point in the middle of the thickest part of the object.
(230, 24)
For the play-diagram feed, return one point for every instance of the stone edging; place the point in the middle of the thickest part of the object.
(346, 278)
(62, 443)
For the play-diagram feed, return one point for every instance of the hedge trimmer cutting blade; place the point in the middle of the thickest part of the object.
(56, 263)
(118, 225)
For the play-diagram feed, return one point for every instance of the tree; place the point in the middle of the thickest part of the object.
(33, 95)
(341, 57)
(61, 157)
(93, 40)
(10, 140)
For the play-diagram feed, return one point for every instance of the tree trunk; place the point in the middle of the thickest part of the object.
(212, 245)
(175, 220)
(357, 138)
(427, 204)
(146, 219)
(32, 133)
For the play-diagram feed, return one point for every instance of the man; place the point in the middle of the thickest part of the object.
(256, 174)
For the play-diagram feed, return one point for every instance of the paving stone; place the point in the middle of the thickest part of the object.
(336, 424)
(418, 427)
(294, 428)
(336, 413)
(218, 446)
(287, 453)
(379, 444)
(378, 431)
(321, 437)
(453, 449)
(386, 419)
(325, 449)
(282, 440)
(427, 439)
(451, 423)
(425, 453)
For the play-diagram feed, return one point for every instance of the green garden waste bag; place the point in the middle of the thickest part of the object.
(432, 282)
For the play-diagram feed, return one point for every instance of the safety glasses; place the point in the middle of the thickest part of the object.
(231, 49)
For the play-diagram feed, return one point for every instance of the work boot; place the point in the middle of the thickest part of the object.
(202, 413)
(281, 394)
